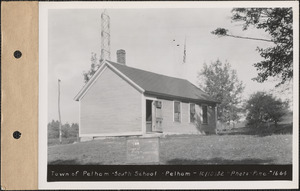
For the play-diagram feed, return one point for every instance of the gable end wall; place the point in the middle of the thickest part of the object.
(111, 106)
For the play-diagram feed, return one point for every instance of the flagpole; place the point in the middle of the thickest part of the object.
(184, 51)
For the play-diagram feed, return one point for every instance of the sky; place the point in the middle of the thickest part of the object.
(150, 38)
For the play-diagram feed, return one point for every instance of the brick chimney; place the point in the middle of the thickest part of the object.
(121, 56)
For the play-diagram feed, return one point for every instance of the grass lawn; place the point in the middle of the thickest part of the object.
(183, 149)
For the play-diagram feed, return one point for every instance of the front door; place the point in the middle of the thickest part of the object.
(157, 117)
(153, 116)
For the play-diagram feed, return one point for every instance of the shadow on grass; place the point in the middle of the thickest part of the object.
(70, 162)
(64, 162)
(218, 161)
(213, 161)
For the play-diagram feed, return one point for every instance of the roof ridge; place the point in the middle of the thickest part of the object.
(164, 85)
(161, 83)
(111, 62)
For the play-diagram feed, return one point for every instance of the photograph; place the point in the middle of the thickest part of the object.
(169, 93)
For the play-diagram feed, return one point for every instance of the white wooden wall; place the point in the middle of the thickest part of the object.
(111, 107)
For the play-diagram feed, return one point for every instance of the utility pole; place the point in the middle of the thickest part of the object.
(59, 117)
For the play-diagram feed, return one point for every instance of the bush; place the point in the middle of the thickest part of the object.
(264, 108)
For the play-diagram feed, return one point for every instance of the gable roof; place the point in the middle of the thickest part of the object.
(160, 85)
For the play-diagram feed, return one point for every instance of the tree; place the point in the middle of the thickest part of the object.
(222, 84)
(278, 22)
(263, 107)
(74, 130)
(94, 66)
(53, 129)
(67, 129)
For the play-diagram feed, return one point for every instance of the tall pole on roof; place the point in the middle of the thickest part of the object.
(105, 36)
(59, 117)
(184, 67)
(184, 51)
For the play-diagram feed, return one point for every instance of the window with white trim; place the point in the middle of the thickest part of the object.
(204, 114)
(177, 111)
(192, 113)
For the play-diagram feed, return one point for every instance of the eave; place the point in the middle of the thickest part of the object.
(179, 98)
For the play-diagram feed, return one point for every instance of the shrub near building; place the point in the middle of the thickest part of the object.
(265, 108)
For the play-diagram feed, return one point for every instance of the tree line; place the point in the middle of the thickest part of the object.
(68, 130)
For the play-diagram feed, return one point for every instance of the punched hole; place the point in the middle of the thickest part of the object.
(17, 54)
(16, 134)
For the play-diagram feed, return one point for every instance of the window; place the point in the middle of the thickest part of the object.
(192, 113)
(158, 104)
(204, 114)
(177, 111)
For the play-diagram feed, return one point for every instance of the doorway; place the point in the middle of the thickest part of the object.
(149, 115)
(153, 116)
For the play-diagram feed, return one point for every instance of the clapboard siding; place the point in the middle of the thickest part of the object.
(169, 126)
(185, 127)
(111, 106)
